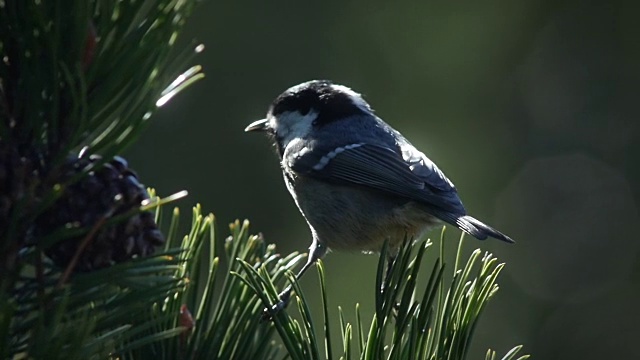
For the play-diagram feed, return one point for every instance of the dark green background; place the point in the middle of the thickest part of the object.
(530, 107)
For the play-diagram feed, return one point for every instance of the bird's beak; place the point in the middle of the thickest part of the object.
(259, 125)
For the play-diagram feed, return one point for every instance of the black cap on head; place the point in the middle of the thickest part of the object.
(331, 102)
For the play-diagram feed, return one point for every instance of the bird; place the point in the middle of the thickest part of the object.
(357, 181)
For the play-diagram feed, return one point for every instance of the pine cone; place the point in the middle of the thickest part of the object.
(105, 192)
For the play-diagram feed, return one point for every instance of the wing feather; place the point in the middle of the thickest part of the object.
(382, 169)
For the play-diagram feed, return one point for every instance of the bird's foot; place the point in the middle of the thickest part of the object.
(269, 312)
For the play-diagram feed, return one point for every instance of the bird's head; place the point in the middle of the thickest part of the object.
(307, 107)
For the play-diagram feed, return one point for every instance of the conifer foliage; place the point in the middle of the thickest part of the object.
(78, 82)
(88, 269)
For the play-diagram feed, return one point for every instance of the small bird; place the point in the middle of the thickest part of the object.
(357, 181)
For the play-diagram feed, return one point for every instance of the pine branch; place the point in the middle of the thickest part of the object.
(439, 326)
(89, 75)
(82, 75)
(226, 326)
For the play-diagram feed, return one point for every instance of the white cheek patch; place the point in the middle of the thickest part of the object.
(325, 159)
(292, 125)
(354, 96)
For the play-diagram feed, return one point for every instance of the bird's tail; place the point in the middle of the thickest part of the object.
(472, 226)
(480, 230)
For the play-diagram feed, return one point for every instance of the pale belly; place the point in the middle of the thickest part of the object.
(349, 218)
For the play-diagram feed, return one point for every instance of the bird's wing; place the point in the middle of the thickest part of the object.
(408, 174)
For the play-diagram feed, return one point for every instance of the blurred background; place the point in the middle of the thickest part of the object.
(530, 107)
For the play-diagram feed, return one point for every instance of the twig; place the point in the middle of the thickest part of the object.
(85, 242)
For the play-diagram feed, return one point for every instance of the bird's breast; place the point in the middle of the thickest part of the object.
(355, 218)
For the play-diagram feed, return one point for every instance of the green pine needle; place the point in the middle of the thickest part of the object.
(92, 73)
(404, 326)
(89, 73)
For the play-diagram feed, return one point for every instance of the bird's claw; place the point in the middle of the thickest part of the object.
(269, 312)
